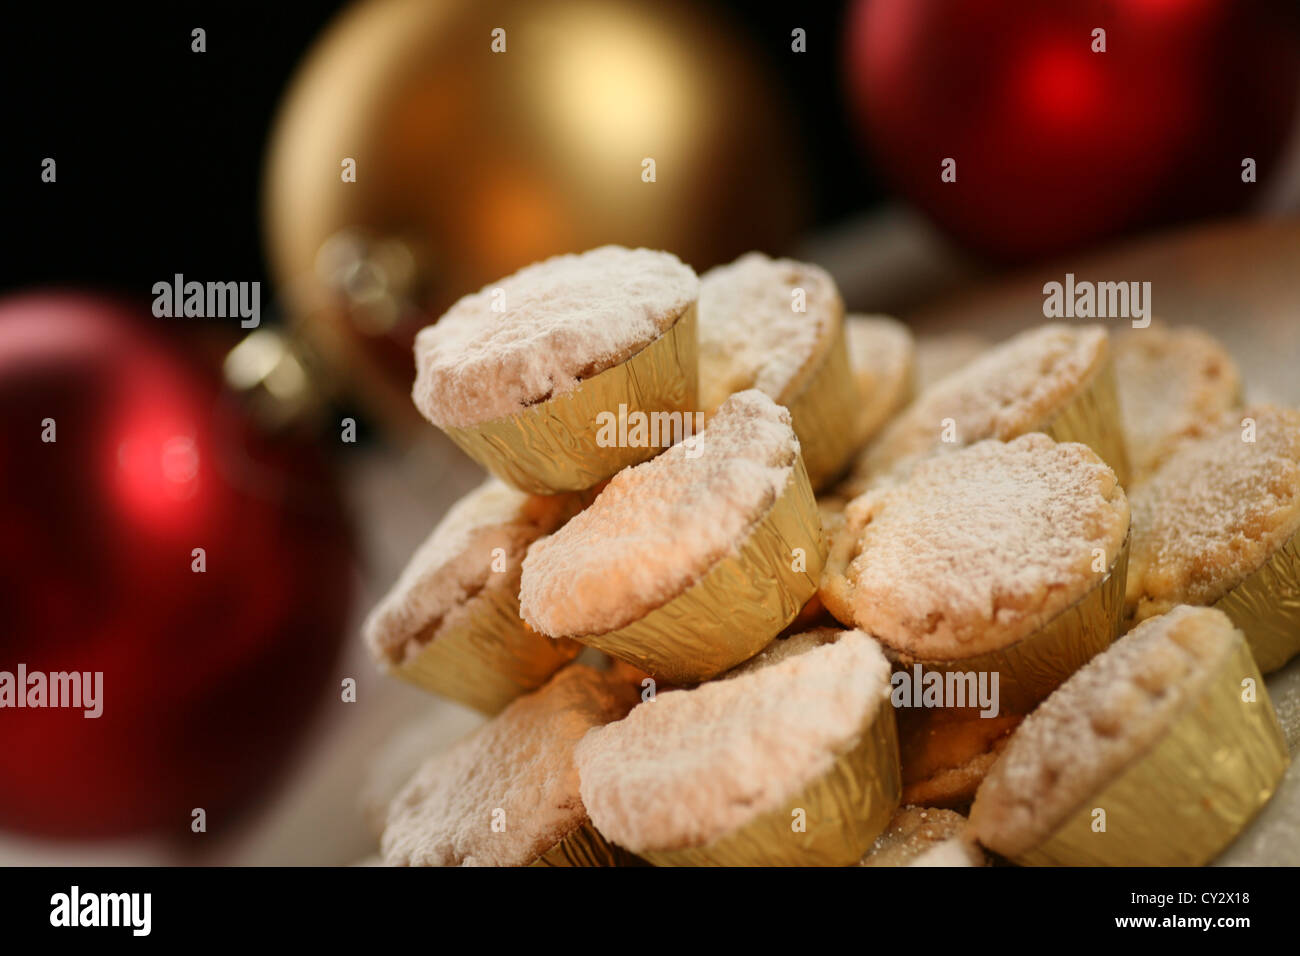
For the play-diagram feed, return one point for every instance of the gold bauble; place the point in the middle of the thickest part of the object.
(470, 163)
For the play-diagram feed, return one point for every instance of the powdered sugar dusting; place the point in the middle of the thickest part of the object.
(1008, 390)
(1170, 383)
(750, 334)
(977, 549)
(1106, 715)
(1215, 511)
(520, 763)
(455, 563)
(563, 320)
(783, 648)
(924, 836)
(954, 851)
(658, 526)
(1285, 690)
(694, 765)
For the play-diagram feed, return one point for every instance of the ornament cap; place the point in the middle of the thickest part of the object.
(277, 379)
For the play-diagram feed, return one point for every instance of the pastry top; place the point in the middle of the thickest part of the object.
(520, 763)
(643, 540)
(1010, 389)
(785, 647)
(924, 836)
(750, 335)
(939, 355)
(1106, 716)
(455, 564)
(1170, 382)
(695, 765)
(538, 333)
(881, 357)
(1217, 509)
(977, 549)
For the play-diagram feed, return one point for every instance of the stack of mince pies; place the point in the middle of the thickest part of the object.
(752, 582)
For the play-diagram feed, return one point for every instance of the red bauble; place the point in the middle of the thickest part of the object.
(207, 677)
(1057, 145)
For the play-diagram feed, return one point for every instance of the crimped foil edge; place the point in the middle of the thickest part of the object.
(551, 447)
(1186, 798)
(827, 440)
(587, 846)
(1031, 668)
(1265, 606)
(1092, 418)
(489, 659)
(845, 809)
(735, 609)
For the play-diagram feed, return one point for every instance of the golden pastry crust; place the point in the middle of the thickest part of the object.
(1103, 719)
(626, 554)
(570, 318)
(477, 548)
(881, 356)
(1170, 383)
(520, 763)
(1010, 389)
(977, 549)
(696, 765)
(946, 752)
(1215, 511)
(783, 648)
(925, 836)
(751, 337)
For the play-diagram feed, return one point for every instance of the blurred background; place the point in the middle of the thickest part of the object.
(290, 454)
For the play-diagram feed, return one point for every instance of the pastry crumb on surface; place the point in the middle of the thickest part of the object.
(925, 836)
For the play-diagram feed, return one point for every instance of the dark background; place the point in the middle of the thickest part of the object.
(159, 150)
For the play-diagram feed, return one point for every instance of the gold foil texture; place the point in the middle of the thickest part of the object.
(489, 659)
(818, 411)
(1266, 607)
(1092, 418)
(1187, 797)
(1029, 670)
(844, 810)
(735, 609)
(586, 846)
(551, 447)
